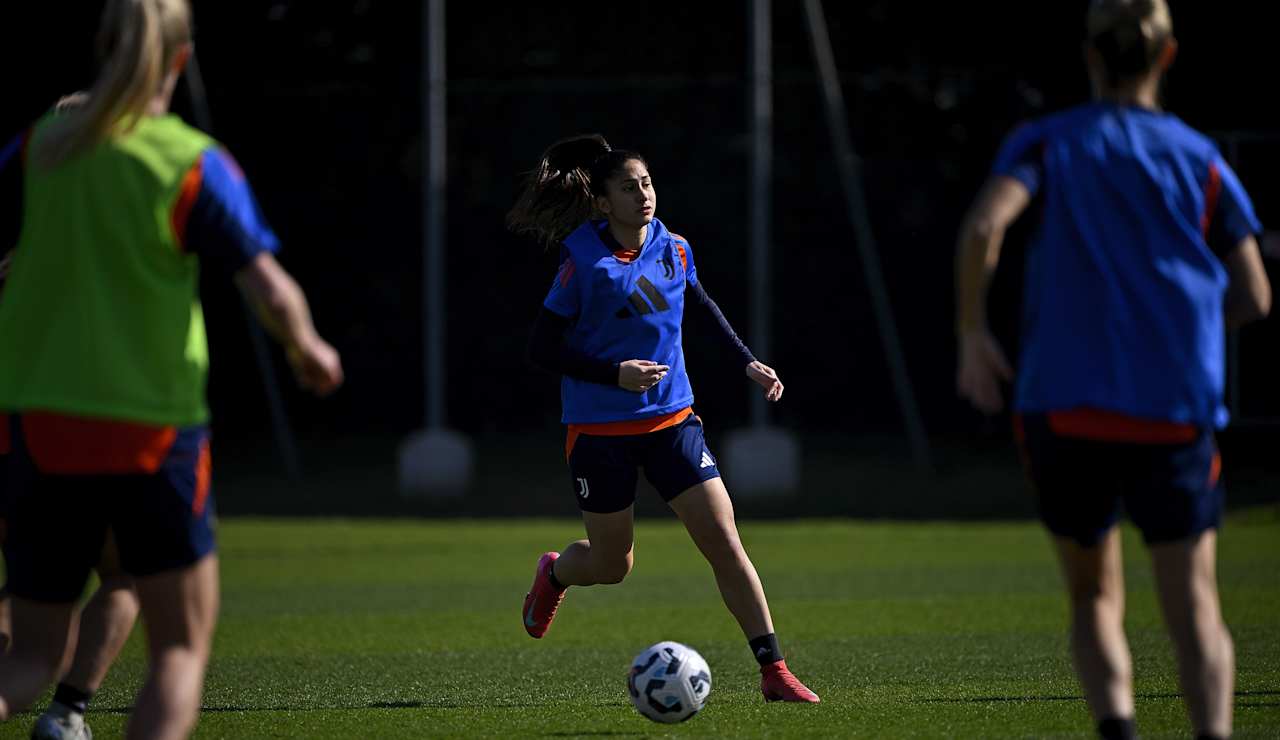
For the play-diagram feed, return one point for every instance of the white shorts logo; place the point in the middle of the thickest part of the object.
(583, 489)
(707, 462)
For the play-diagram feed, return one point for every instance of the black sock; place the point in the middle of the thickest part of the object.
(555, 582)
(1208, 736)
(72, 698)
(1115, 728)
(765, 648)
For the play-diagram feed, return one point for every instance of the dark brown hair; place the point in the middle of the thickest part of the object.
(558, 195)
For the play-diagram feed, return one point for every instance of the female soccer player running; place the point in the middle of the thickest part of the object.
(1146, 250)
(611, 326)
(101, 322)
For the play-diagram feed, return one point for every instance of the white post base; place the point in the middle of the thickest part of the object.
(760, 462)
(435, 463)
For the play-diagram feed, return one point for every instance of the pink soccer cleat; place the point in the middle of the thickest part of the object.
(543, 599)
(777, 683)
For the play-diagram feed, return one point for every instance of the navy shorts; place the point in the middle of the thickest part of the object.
(57, 524)
(605, 469)
(1170, 491)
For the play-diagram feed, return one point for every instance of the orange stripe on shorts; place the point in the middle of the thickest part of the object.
(204, 472)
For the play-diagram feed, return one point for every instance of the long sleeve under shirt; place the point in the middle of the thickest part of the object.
(549, 351)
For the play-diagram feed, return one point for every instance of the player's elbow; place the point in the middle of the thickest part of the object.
(982, 228)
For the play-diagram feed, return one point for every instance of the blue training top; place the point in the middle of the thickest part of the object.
(625, 311)
(1123, 305)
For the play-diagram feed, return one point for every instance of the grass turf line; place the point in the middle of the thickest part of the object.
(410, 629)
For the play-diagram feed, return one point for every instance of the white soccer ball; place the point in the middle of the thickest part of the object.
(669, 682)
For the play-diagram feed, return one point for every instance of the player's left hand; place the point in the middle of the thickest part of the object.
(767, 378)
(981, 369)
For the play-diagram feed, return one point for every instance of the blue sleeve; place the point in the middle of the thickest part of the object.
(563, 298)
(1020, 157)
(11, 193)
(1233, 218)
(690, 270)
(225, 227)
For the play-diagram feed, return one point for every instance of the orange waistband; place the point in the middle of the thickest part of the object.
(71, 445)
(1109, 426)
(625, 428)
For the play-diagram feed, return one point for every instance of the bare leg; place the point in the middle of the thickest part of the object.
(180, 608)
(42, 637)
(605, 556)
(105, 624)
(1099, 649)
(707, 514)
(1188, 586)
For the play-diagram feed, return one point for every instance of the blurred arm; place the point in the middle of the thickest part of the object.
(982, 363)
(1249, 292)
(282, 307)
(999, 204)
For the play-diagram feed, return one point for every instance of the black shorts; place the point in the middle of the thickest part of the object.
(57, 523)
(1170, 491)
(605, 469)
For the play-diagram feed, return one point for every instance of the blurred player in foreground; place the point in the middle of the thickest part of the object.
(122, 205)
(611, 327)
(1144, 254)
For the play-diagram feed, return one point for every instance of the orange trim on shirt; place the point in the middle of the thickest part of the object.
(1215, 469)
(625, 428)
(188, 191)
(627, 256)
(5, 443)
(1212, 188)
(684, 258)
(1109, 426)
(566, 272)
(204, 470)
(72, 445)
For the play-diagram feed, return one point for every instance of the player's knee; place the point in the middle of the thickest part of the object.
(722, 546)
(1091, 600)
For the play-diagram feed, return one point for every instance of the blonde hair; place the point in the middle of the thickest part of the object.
(137, 40)
(1130, 35)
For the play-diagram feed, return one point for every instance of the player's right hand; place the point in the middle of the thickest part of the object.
(316, 366)
(640, 375)
(982, 366)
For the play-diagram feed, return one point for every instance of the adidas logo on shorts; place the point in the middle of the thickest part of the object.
(707, 462)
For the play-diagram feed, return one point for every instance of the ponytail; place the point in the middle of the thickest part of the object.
(136, 42)
(559, 194)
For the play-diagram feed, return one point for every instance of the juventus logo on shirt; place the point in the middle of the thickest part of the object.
(669, 268)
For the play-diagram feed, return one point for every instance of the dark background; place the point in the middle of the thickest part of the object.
(320, 102)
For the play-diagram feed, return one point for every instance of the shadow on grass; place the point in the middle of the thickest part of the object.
(371, 705)
(989, 699)
(597, 732)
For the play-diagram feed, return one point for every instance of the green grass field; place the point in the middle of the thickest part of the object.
(362, 629)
